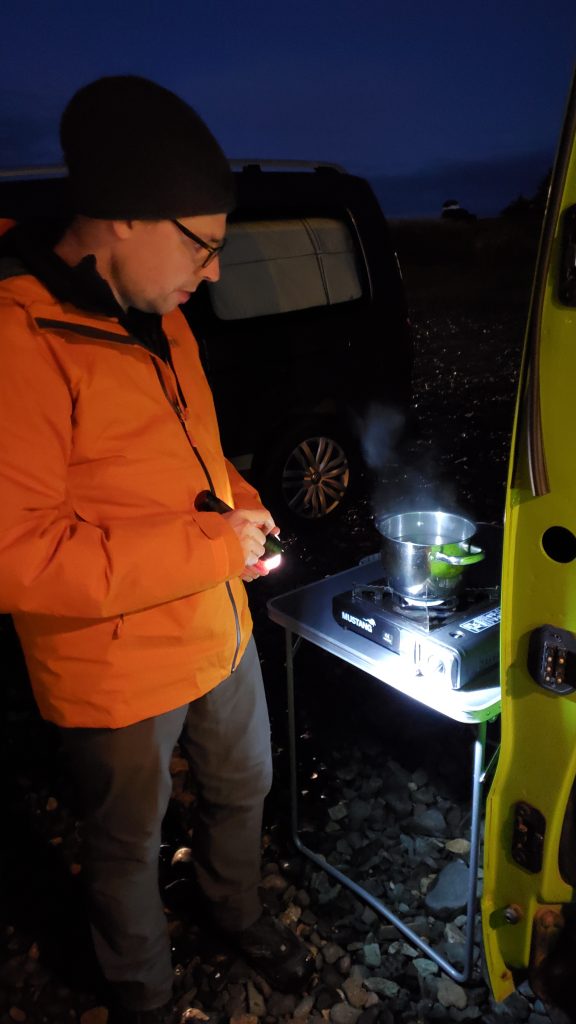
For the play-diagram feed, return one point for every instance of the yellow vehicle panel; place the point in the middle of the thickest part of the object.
(530, 839)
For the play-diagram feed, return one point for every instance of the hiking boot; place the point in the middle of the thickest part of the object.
(275, 952)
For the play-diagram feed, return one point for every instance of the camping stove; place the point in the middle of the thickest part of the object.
(457, 639)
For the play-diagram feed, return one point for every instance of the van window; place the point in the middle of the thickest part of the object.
(279, 266)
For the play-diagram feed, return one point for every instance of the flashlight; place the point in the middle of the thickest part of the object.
(206, 501)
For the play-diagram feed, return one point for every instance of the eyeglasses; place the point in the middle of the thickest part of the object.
(213, 251)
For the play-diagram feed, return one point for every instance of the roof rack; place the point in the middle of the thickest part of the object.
(240, 163)
(237, 163)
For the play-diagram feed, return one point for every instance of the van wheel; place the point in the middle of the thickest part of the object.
(309, 473)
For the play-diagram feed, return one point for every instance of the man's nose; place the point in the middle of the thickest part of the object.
(212, 271)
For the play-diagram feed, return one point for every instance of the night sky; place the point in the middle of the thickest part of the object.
(429, 100)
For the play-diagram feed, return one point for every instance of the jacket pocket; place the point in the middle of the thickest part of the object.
(173, 620)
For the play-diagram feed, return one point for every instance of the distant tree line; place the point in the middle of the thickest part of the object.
(528, 207)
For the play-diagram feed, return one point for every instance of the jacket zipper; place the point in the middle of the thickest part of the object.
(182, 418)
(103, 335)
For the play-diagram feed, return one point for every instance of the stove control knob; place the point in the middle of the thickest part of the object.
(435, 665)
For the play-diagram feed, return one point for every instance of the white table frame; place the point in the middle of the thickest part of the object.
(306, 614)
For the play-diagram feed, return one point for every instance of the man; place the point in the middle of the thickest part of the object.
(129, 603)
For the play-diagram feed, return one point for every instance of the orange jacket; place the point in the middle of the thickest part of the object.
(126, 600)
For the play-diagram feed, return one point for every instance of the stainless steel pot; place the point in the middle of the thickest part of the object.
(425, 553)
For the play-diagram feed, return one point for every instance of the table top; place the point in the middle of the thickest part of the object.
(307, 612)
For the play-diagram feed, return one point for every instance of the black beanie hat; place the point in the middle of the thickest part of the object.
(136, 151)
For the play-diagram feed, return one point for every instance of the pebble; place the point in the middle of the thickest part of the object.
(326, 997)
(16, 1014)
(345, 964)
(451, 994)
(332, 952)
(430, 822)
(450, 892)
(355, 992)
(426, 968)
(461, 846)
(304, 1007)
(96, 1015)
(244, 1018)
(256, 1002)
(342, 1013)
(372, 955)
(281, 1004)
(372, 999)
(291, 915)
(274, 882)
(383, 986)
(338, 812)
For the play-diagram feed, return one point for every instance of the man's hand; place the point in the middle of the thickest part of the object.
(251, 527)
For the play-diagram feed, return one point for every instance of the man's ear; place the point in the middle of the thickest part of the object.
(123, 229)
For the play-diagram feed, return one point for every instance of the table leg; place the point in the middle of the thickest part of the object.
(380, 908)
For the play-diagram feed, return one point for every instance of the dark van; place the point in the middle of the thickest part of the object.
(306, 327)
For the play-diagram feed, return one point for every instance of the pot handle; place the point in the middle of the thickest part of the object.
(476, 555)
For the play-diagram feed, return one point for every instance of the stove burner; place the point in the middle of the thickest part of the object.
(455, 638)
(438, 608)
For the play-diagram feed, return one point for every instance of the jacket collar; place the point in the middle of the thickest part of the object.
(25, 249)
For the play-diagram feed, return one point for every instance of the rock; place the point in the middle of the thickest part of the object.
(281, 1004)
(358, 811)
(430, 822)
(425, 967)
(344, 964)
(96, 1015)
(342, 1013)
(371, 954)
(262, 986)
(450, 892)
(368, 916)
(244, 1018)
(304, 1007)
(372, 999)
(332, 952)
(383, 986)
(325, 997)
(301, 898)
(355, 992)
(461, 846)
(51, 803)
(291, 915)
(451, 994)
(274, 883)
(331, 976)
(16, 1014)
(425, 795)
(256, 1001)
(453, 934)
(338, 812)
(397, 795)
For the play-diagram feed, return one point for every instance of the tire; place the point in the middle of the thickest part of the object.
(308, 474)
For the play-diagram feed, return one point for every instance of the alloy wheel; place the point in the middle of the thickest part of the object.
(315, 477)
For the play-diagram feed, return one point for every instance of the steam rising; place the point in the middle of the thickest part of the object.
(404, 468)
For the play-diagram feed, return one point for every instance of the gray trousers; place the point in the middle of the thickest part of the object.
(124, 782)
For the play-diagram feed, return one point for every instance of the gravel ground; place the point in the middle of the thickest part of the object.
(383, 785)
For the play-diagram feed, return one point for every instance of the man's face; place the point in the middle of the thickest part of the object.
(155, 267)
